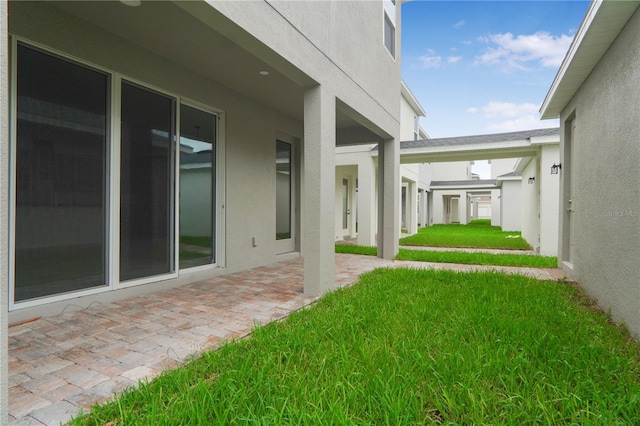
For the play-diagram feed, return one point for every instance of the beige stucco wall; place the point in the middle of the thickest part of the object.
(530, 223)
(511, 205)
(607, 180)
(336, 44)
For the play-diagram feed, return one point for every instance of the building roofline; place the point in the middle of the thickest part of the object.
(601, 25)
(410, 97)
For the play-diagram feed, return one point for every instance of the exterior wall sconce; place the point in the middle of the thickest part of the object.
(555, 168)
(532, 180)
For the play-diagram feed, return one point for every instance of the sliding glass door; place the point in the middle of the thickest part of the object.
(146, 183)
(60, 175)
(95, 176)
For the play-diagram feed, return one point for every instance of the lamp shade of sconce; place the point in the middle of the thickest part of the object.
(555, 168)
(532, 180)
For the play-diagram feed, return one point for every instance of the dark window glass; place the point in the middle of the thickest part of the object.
(197, 187)
(146, 183)
(61, 163)
(389, 35)
(283, 190)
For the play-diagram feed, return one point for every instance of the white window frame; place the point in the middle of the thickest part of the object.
(389, 15)
(220, 189)
(112, 281)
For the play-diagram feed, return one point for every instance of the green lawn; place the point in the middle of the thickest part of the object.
(409, 347)
(477, 234)
(522, 260)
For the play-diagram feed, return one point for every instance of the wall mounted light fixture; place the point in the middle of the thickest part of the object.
(532, 180)
(555, 168)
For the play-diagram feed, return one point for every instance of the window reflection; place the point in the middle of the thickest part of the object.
(197, 187)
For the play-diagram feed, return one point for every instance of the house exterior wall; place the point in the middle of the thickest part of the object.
(530, 211)
(439, 199)
(408, 115)
(322, 30)
(495, 207)
(604, 166)
(454, 170)
(501, 166)
(511, 205)
(4, 217)
(250, 154)
(549, 200)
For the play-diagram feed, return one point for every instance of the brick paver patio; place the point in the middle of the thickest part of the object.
(62, 364)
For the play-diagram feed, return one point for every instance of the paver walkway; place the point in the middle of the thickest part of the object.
(59, 365)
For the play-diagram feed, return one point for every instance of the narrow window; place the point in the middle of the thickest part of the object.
(146, 183)
(389, 35)
(60, 176)
(197, 187)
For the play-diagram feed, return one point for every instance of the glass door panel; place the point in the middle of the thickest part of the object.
(60, 176)
(283, 190)
(146, 183)
(197, 187)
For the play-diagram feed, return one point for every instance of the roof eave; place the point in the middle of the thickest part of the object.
(586, 50)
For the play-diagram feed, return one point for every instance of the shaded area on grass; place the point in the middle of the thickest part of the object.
(477, 234)
(409, 346)
(460, 257)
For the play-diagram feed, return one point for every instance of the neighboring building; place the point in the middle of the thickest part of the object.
(356, 203)
(120, 121)
(510, 185)
(458, 196)
(597, 96)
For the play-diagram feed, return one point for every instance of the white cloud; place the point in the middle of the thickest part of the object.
(511, 117)
(508, 109)
(459, 24)
(472, 110)
(523, 51)
(527, 122)
(453, 59)
(430, 61)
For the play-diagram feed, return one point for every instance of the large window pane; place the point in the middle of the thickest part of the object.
(283, 190)
(197, 187)
(146, 182)
(61, 140)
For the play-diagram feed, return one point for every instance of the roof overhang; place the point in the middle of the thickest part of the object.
(485, 151)
(465, 185)
(413, 101)
(601, 25)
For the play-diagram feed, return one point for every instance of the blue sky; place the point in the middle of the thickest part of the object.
(481, 67)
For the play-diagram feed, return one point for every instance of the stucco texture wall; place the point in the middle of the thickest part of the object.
(607, 179)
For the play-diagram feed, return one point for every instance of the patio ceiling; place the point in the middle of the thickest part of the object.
(201, 39)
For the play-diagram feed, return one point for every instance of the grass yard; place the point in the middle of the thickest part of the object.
(409, 347)
(477, 234)
(522, 260)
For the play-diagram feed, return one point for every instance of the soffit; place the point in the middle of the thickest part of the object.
(169, 31)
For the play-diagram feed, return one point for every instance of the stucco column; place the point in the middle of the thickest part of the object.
(412, 205)
(4, 221)
(366, 202)
(389, 198)
(319, 191)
